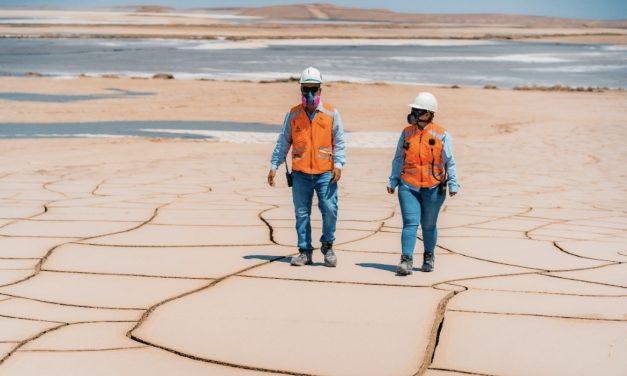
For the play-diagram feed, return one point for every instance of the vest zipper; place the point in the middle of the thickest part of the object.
(419, 158)
(311, 128)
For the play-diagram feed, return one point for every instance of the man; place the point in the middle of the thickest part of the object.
(314, 131)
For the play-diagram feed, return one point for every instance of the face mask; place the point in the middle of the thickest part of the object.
(413, 116)
(310, 99)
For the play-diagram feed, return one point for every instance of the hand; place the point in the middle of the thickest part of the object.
(271, 176)
(452, 194)
(337, 174)
(390, 190)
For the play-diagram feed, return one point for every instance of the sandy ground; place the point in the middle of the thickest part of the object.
(156, 256)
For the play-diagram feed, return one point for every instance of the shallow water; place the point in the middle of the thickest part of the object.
(242, 133)
(446, 62)
(187, 129)
(57, 98)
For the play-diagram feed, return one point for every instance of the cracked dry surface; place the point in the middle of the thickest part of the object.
(125, 257)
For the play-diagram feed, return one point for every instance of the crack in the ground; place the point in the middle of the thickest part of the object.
(510, 216)
(77, 221)
(462, 372)
(87, 350)
(544, 292)
(610, 263)
(434, 337)
(535, 315)
(29, 319)
(491, 261)
(553, 221)
(26, 341)
(584, 281)
(562, 249)
(72, 305)
(200, 225)
(332, 281)
(172, 246)
(127, 274)
(38, 237)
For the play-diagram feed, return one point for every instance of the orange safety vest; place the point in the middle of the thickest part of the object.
(423, 166)
(312, 141)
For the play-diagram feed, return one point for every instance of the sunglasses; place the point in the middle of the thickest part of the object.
(418, 112)
(309, 89)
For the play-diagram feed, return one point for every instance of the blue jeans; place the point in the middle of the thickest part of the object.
(302, 195)
(419, 207)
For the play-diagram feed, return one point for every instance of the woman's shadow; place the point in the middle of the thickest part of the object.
(373, 265)
(386, 267)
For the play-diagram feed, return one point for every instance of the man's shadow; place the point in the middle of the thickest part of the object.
(270, 258)
(284, 259)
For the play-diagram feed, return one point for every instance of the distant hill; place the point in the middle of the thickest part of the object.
(322, 12)
(145, 8)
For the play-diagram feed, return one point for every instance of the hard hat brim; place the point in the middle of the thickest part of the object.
(311, 82)
(421, 108)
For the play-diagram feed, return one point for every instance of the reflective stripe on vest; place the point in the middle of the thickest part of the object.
(423, 166)
(312, 141)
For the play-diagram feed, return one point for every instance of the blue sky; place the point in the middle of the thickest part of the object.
(600, 9)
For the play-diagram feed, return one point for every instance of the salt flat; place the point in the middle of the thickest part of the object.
(160, 256)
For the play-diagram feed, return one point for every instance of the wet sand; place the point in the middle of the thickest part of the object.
(160, 256)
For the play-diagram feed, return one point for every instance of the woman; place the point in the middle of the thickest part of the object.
(422, 167)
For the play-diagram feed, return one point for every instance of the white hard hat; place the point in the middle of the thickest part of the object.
(311, 76)
(425, 101)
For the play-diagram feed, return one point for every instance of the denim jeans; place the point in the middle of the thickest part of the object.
(419, 207)
(302, 195)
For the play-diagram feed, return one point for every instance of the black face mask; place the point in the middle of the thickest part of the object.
(415, 113)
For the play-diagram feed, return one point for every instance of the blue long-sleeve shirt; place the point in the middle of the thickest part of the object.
(447, 158)
(284, 141)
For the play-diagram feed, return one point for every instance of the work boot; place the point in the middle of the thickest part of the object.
(427, 263)
(303, 258)
(406, 266)
(330, 259)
